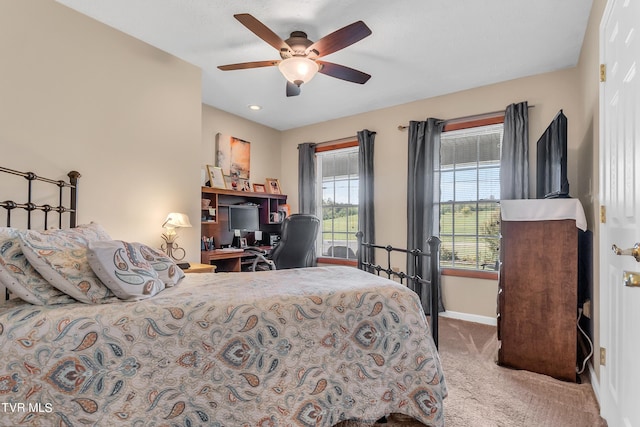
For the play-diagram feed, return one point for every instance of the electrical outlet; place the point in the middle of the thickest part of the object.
(603, 356)
(586, 309)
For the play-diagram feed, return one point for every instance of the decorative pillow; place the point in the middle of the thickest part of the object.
(166, 268)
(20, 277)
(123, 269)
(60, 256)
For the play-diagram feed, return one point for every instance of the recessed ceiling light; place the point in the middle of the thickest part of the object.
(255, 107)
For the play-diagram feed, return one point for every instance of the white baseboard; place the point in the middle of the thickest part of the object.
(485, 320)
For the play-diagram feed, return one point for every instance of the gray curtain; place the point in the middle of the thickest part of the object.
(423, 195)
(514, 162)
(307, 186)
(366, 217)
(307, 178)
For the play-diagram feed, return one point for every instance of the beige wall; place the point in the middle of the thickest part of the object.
(76, 94)
(265, 142)
(470, 299)
(548, 93)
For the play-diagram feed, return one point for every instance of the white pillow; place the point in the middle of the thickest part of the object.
(17, 275)
(123, 269)
(166, 268)
(60, 256)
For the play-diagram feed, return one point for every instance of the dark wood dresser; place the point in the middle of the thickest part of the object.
(538, 294)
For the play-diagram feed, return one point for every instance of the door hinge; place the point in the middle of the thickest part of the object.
(603, 73)
(603, 356)
(603, 214)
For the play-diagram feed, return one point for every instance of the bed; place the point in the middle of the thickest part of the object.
(300, 347)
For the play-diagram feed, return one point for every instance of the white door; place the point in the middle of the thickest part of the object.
(620, 194)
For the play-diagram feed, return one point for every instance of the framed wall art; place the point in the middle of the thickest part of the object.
(233, 155)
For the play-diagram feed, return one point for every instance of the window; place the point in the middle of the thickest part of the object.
(469, 197)
(337, 195)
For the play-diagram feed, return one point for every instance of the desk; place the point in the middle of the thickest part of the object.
(200, 268)
(229, 260)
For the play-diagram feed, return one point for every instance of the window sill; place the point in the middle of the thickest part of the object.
(472, 274)
(338, 261)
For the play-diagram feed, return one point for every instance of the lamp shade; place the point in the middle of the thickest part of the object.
(176, 220)
(298, 69)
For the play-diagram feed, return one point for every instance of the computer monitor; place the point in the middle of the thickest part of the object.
(551, 180)
(244, 218)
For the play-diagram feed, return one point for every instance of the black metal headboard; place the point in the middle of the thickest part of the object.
(30, 207)
(416, 256)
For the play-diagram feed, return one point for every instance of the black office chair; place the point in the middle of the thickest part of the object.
(296, 247)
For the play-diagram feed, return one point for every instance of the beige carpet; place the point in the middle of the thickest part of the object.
(481, 393)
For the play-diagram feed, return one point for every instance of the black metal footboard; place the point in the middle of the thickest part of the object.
(416, 281)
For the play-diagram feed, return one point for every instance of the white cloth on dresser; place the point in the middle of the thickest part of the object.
(543, 210)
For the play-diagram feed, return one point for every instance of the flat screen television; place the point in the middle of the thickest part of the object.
(244, 218)
(551, 167)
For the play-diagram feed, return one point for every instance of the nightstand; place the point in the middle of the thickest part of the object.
(200, 268)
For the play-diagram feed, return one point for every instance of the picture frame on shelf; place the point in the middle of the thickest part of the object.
(273, 186)
(259, 188)
(276, 217)
(216, 177)
(285, 209)
(231, 182)
(244, 185)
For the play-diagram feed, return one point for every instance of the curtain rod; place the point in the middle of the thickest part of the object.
(465, 118)
(338, 141)
(335, 141)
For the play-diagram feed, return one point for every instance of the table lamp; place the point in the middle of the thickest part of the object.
(174, 220)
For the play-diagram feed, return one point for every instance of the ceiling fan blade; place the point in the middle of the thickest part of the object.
(340, 39)
(292, 89)
(341, 72)
(262, 31)
(246, 65)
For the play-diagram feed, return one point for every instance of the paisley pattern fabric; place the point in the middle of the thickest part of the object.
(301, 347)
(166, 268)
(60, 256)
(20, 277)
(124, 269)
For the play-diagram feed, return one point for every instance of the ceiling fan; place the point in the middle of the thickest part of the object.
(300, 55)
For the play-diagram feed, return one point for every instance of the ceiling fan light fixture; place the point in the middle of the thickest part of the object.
(298, 69)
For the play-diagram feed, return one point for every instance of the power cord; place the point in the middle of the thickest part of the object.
(584, 363)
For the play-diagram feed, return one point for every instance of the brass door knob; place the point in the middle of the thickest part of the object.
(634, 251)
(631, 279)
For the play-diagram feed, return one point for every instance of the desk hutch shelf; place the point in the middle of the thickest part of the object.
(214, 218)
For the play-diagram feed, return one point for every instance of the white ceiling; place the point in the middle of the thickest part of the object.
(418, 49)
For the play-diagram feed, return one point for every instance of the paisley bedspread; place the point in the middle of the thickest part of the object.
(303, 347)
